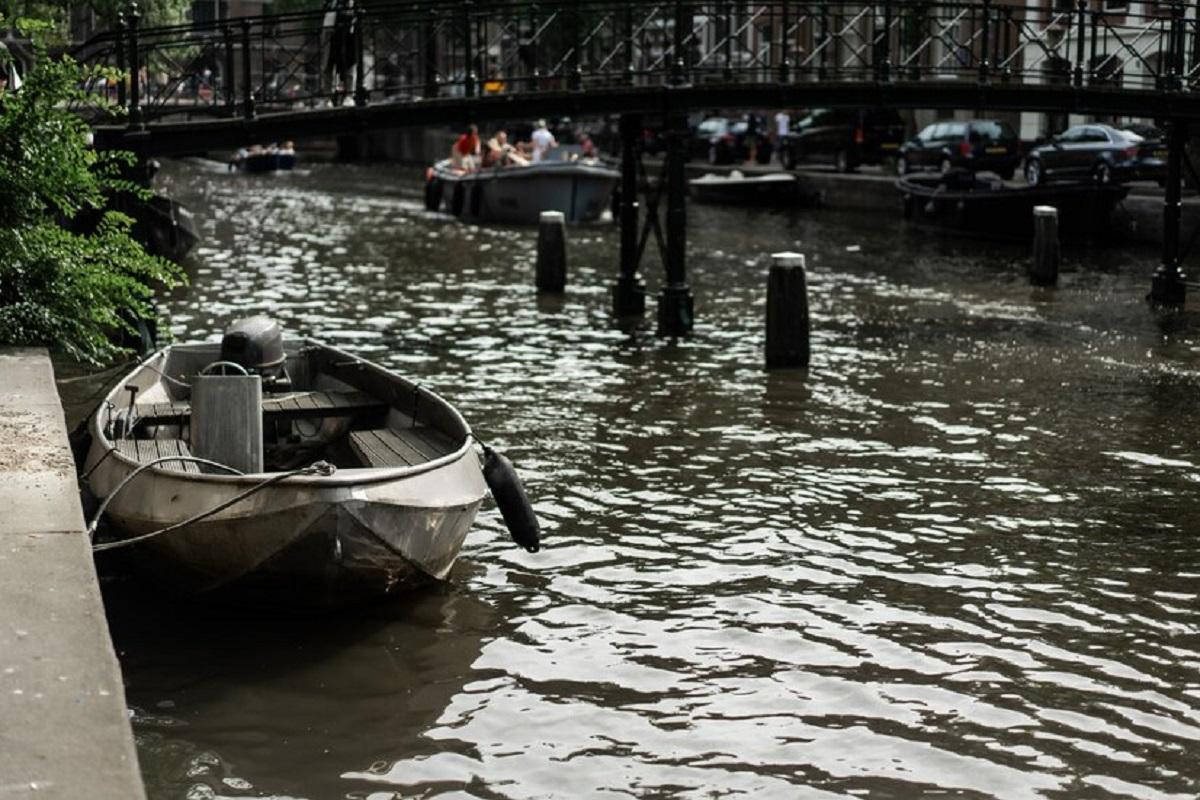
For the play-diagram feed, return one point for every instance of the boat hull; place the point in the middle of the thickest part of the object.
(518, 195)
(993, 209)
(764, 190)
(356, 533)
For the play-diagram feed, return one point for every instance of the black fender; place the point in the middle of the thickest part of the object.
(506, 487)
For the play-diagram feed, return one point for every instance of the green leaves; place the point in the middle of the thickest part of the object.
(67, 290)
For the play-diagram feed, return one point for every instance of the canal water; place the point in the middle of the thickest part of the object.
(956, 557)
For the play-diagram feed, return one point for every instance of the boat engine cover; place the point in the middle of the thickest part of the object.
(255, 343)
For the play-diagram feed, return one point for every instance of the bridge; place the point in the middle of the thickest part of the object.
(222, 84)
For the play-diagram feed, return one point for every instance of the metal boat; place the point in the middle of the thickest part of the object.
(963, 201)
(736, 188)
(518, 195)
(265, 161)
(311, 471)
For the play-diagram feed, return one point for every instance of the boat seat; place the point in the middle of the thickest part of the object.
(289, 404)
(407, 447)
(146, 450)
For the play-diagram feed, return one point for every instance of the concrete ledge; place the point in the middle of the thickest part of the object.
(64, 725)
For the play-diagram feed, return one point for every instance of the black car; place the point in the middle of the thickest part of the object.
(1101, 153)
(979, 145)
(722, 140)
(845, 137)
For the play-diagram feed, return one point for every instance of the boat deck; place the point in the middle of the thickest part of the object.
(291, 404)
(405, 443)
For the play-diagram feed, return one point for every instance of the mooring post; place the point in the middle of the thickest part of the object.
(135, 69)
(1046, 253)
(552, 253)
(675, 308)
(787, 312)
(629, 293)
(1167, 288)
(247, 85)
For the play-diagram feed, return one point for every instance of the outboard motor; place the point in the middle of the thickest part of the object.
(256, 344)
(227, 423)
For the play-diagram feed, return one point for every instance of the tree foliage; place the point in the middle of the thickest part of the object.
(68, 290)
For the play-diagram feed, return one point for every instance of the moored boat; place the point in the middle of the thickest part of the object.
(518, 194)
(271, 159)
(306, 469)
(965, 202)
(736, 188)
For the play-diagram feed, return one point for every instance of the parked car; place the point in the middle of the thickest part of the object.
(1102, 153)
(723, 140)
(845, 137)
(979, 145)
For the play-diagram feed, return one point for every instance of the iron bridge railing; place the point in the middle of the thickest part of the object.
(410, 51)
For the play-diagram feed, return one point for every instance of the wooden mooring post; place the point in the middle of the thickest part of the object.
(1046, 252)
(787, 312)
(552, 253)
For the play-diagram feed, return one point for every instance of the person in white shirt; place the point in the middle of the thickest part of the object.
(783, 124)
(541, 140)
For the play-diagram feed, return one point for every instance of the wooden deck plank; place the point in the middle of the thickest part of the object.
(296, 404)
(144, 451)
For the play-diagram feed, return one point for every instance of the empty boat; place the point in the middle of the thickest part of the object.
(287, 464)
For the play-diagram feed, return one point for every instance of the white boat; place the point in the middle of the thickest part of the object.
(580, 189)
(736, 188)
(312, 471)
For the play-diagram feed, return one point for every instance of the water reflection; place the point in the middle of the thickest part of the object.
(957, 555)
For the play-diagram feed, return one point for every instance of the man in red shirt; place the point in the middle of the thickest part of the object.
(465, 153)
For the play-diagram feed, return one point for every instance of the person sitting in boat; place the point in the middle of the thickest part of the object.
(500, 153)
(288, 148)
(464, 155)
(587, 148)
(541, 141)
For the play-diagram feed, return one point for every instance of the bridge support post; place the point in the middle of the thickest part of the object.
(429, 35)
(247, 78)
(1167, 288)
(360, 80)
(629, 293)
(675, 311)
(229, 84)
(471, 77)
(135, 69)
(119, 31)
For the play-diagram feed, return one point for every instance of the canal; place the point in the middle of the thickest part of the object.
(957, 557)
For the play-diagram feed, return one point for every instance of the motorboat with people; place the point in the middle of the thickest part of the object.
(263, 462)
(516, 183)
(964, 201)
(272, 158)
(737, 188)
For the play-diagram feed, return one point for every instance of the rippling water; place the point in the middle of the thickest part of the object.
(957, 557)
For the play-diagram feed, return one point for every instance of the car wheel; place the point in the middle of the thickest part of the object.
(945, 166)
(902, 167)
(1033, 172)
(1102, 174)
